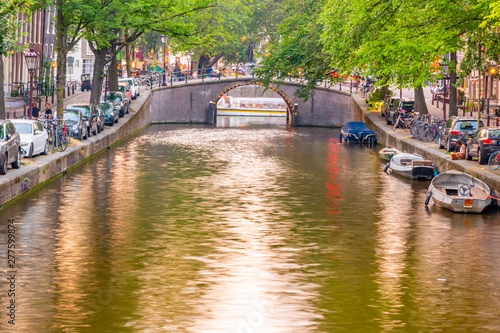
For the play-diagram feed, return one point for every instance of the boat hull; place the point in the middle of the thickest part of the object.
(412, 166)
(449, 182)
(387, 153)
(251, 112)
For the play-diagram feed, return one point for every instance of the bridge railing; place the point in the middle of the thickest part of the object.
(188, 76)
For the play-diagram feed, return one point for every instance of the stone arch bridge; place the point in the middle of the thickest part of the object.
(195, 102)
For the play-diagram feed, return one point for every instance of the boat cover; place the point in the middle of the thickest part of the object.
(354, 127)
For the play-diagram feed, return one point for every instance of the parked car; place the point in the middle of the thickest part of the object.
(136, 90)
(75, 124)
(483, 144)
(110, 113)
(125, 88)
(89, 112)
(10, 141)
(389, 109)
(86, 82)
(119, 100)
(457, 128)
(100, 119)
(34, 138)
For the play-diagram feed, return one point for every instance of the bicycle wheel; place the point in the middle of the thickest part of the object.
(428, 135)
(413, 130)
(494, 161)
(436, 139)
(62, 142)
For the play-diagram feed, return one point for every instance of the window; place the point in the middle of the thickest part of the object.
(87, 66)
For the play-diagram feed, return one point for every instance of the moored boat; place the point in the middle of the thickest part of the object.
(411, 166)
(357, 132)
(459, 192)
(387, 153)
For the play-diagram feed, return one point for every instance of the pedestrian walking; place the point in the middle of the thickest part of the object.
(48, 111)
(35, 111)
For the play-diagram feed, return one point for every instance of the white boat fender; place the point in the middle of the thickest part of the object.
(429, 195)
(387, 166)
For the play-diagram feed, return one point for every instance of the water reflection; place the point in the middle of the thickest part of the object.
(254, 229)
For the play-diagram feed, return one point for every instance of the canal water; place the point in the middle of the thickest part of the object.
(246, 228)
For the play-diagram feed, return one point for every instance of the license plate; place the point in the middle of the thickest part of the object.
(468, 203)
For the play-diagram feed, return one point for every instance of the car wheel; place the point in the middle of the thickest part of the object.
(116, 120)
(128, 109)
(3, 167)
(95, 132)
(46, 148)
(480, 158)
(98, 128)
(89, 133)
(448, 146)
(30, 154)
(17, 163)
(467, 154)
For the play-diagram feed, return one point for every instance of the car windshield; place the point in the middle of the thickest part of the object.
(468, 125)
(121, 88)
(113, 98)
(24, 128)
(85, 109)
(107, 108)
(71, 116)
(407, 105)
(495, 134)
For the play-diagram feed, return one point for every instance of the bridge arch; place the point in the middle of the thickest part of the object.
(288, 101)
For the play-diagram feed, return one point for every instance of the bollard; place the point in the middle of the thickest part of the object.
(497, 121)
(432, 102)
(68, 91)
(52, 97)
(64, 93)
(340, 86)
(488, 123)
(24, 112)
(46, 98)
(73, 89)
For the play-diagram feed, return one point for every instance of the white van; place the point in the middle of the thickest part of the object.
(136, 91)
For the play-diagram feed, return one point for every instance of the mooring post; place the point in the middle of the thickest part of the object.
(295, 115)
(211, 113)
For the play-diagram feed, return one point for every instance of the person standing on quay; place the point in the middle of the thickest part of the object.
(48, 111)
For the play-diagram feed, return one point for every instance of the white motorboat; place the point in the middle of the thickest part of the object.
(387, 153)
(459, 192)
(412, 166)
(246, 106)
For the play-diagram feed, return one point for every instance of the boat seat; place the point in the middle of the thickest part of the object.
(421, 163)
(478, 193)
(405, 161)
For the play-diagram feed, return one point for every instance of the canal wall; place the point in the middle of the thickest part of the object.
(404, 142)
(19, 182)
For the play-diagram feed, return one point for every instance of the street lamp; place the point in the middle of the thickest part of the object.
(164, 40)
(106, 67)
(31, 62)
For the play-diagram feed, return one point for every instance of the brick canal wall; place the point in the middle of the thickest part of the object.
(403, 141)
(19, 182)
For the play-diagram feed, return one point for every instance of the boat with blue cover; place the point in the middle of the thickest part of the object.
(357, 132)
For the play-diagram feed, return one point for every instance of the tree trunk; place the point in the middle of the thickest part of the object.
(420, 104)
(98, 75)
(206, 62)
(480, 105)
(2, 100)
(453, 81)
(127, 59)
(61, 42)
(113, 73)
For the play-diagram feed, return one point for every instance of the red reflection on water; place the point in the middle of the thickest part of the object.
(333, 188)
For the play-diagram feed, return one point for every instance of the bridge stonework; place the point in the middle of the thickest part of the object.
(189, 103)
